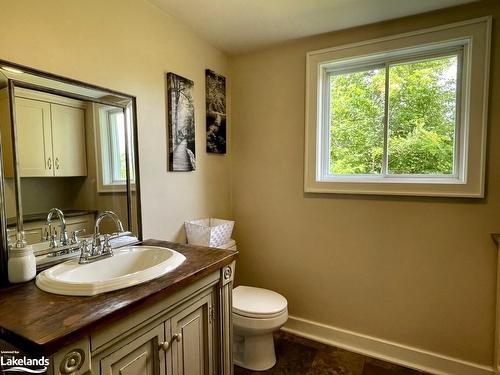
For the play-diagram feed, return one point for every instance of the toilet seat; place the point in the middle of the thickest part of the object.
(258, 303)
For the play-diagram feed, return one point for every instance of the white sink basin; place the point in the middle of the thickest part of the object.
(129, 266)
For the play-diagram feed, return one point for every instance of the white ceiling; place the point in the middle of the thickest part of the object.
(236, 26)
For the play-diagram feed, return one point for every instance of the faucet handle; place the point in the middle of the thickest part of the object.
(52, 241)
(74, 235)
(106, 247)
(84, 252)
(96, 244)
(45, 234)
(52, 237)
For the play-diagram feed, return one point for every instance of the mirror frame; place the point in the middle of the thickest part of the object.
(12, 84)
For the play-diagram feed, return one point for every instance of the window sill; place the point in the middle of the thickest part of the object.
(390, 187)
(405, 180)
(108, 189)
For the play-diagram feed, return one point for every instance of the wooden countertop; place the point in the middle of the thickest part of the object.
(37, 321)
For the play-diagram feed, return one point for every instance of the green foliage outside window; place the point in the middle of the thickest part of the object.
(421, 119)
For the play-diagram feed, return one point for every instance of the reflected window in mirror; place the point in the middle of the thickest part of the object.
(112, 139)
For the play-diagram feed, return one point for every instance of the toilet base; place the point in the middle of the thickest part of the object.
(254, 352)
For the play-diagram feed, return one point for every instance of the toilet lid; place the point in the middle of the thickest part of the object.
(257, 302)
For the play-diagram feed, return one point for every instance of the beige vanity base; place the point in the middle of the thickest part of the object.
(188, 332)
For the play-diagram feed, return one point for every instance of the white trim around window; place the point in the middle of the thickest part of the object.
(470, 41)
(107, 149)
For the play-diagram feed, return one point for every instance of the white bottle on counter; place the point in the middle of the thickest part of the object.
(22, 264)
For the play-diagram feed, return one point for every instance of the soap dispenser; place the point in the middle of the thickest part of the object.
(22, 263)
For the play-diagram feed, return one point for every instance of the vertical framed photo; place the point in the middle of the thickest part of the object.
(215, 86)
(181, 127)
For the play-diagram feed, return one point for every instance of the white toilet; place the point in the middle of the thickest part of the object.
(257, 313)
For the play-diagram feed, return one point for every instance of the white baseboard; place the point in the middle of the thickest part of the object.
(389, 351)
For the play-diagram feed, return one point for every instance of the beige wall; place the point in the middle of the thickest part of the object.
(412, 270)
(128, 45)
(40, 194)
(417, 271)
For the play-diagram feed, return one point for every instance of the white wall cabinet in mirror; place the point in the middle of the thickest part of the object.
(68, 141)
(34, 138)
(51, 135)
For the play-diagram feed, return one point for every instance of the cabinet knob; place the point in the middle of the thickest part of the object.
(49, 163)
(165, 345)
(56, 163)
(177, 337)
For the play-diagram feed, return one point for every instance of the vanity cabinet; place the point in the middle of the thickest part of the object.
(188, 332)
(179, 323)
(181, 345)
(51, 139)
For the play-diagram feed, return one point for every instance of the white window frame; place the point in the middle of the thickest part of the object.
(106, 151)
(471, 40)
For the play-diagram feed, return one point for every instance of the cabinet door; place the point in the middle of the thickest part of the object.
(141, 356)
(68, 135)
(34, 138)
(192, 339)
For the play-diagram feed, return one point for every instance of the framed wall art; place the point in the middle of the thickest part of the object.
(181, 126)
(215, 86)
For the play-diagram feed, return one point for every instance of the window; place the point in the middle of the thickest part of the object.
(112, 139)
(400, 115)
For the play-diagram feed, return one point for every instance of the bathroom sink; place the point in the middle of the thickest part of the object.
(129, 266)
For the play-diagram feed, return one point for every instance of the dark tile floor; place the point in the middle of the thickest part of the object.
(299, 356)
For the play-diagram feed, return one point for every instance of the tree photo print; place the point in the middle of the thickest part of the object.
(216, 112)
(181, 128)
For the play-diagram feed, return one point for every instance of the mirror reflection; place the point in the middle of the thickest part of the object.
(68, 156)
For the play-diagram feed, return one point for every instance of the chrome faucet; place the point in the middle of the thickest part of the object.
(64, 232)
(99, 249)
(113, 216)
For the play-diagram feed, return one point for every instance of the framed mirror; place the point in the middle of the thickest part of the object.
(69, 152)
